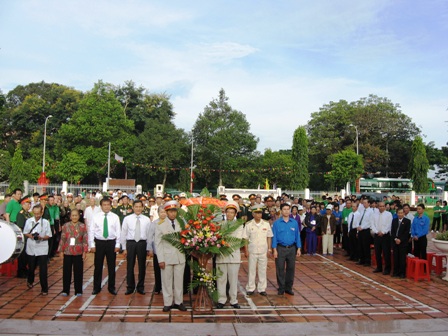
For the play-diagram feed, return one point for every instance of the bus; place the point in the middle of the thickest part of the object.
(385, 185)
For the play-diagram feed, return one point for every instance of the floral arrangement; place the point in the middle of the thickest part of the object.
(205, 278)
(442, 236)
(201, 229)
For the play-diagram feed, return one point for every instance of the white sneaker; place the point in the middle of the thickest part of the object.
(432, 231)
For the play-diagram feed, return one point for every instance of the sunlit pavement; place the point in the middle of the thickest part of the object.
(327, 289)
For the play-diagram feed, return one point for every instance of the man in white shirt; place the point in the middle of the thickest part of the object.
(134, 237)
(91, 211)
(381, 229)
(154, 211)
(38, 231)
(104, 241)
(364, 237)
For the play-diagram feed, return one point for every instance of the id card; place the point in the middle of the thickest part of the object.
(72, 241)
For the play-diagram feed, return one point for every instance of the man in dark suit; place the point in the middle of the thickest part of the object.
(401, 227)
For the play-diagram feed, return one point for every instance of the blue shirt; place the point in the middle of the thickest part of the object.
(286, 233)
(338, 215)
(420, 226)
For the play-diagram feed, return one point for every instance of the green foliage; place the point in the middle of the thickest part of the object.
(19, 173)
(300, 176)
(220, 133)
(442, 236)
(5, 164)
(98, 121)
(419, 165)
(72, 168)
(383, 130)
(203, 277)
(278, 167)
(346, 166)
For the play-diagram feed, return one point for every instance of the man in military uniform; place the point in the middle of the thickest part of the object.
(258, 233)
(154, 212)
(124, 209)
(229, 265)
(22, 216)
(242, 211)
(171, 260)
(146, 205)
(269, 202)
(252, 199)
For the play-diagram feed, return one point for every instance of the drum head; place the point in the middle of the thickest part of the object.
(8, 241)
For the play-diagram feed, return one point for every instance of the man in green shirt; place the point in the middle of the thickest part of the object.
(437, 217)
(345, 212)
(54, 211)
(13, 207)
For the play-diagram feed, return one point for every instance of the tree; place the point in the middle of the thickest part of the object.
(221, 133)
(277, 167)
(300, 177)
(72, 168)
(419, 165)
(98, 121)
(162, 144)
(5, 164)
(18, 172)
(382, 130)
(346, 166)
(28, 107)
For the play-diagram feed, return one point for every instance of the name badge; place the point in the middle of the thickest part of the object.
(72, 241)
(293, 229)
(346, 218)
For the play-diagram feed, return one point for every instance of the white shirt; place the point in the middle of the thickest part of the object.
(37, 247)
(356, 217)
(128, 228)
(367, 218)
(382, 222)
(89, 213)
(96, 228)
(154, 212)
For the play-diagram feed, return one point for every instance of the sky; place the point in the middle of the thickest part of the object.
(278, 61)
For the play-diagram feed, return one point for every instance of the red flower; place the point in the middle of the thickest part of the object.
(183, 240)
(203, 206)
(204, 221)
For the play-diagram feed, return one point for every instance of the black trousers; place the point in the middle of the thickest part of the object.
(285, 267)
(72, 263)
(420, 247)
(435, 223)
(337, 235)
(302, 240)
(364, 239)
(345, 243)
(136, 250)
(353, 244)
(157, 275)
(104, 248)
(382, 248)
(40, 261)
(22, 270)
(400, 252)
(56, 237)
(51, 242)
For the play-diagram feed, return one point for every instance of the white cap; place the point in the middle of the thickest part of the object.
(329, 207)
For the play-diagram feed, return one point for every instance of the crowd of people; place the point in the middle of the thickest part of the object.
(283, 228)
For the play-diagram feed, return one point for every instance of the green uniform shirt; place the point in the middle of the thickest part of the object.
(345, 214)
(22, 216)
(437, 214)
(13, 208)
(123, 211)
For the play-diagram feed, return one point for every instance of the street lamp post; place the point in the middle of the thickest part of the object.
(43, 178)
(357, 137)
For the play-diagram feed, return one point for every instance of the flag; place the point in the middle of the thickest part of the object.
(118, 158)
(266, 185)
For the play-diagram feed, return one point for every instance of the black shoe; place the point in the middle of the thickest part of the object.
(29, 285)
(95, 292)
(395, 275)
(250, 293)
(403, 276)
(141, 291)
(181, 307)
(377, 270)
(113, 291)
(263, 294)
(367, 264)
(360, 263)
(290, 292)
(386, 272)
(281, 292)
(236, 306)
(166, 308)
(219, 305)
(129, 292)
(157, 292)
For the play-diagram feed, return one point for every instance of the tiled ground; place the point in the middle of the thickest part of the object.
(327, 289)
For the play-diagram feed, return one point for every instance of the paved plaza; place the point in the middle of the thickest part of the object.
(331, 294)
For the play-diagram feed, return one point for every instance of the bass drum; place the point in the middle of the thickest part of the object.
(12, 242)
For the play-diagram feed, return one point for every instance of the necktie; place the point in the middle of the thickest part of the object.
(362, 217)
(351, 222)
(399, 223)
(172, 223)
(105, 227)
(137, 233)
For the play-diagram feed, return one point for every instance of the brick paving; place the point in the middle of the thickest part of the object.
(327, 289)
